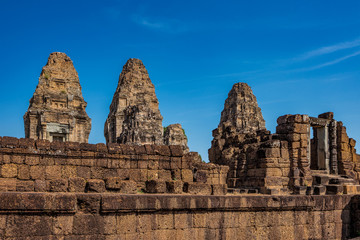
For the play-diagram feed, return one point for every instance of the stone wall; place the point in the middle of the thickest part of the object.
(296, 130)
(116, 216)
(27, 166)
(348, 162)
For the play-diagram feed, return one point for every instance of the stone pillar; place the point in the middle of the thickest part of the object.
(296, 130)
(333, 147)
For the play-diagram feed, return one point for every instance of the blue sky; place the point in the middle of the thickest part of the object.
(298, 57)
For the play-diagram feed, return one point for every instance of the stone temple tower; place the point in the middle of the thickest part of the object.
(57, 108)
(134, 116)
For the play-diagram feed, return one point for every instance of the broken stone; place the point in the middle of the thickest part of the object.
(174, 134)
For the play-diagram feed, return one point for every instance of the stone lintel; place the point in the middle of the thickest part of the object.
(319, 122)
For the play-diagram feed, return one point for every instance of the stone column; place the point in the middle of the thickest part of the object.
(333, 147)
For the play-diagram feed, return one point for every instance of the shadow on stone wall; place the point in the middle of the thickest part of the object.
(351, 219)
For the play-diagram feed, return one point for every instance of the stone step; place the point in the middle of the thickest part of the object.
(314, 172)
(341, 180)
(320, 180)
(300, 190)
(319, 190)
(277, 191)
(351, 189)
(334, 189)
(243, 190)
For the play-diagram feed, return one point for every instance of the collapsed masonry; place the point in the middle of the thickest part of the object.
(288, 161)
(134, 116)
(57, 108)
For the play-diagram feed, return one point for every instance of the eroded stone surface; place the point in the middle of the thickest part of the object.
(57, 108)
(242, 111)
(134, 116)
(240, 119)
(174, 134)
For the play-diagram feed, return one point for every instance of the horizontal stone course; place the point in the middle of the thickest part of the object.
(121, 216)
(56, 148)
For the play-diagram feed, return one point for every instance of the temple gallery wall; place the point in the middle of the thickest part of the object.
(300, 182)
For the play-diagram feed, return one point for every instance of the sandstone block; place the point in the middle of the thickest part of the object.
(53, 172)
(24, 186)
(57, 185)
(40, 186)
(95, 185)
(176, 150)
(197, 188)
(76, 184)
(32, 160)
(7, 184)
(186, 175)
(37, 172)
(174, 187)
(62, 225)
(18, 159)
(9, 170)
(123, 186)
(200, 176)
(83, 172)
(23, 172)
(153, 175)
(164, 175)
(218, 189)
(68, 171)
(88, 224)
(154, 186)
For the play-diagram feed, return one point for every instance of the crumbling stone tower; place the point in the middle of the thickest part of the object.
(134, 116)
(57, 108)
(241, 119)
(134, 111)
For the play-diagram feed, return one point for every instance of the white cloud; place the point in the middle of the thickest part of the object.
(328, 49)
(329, 63)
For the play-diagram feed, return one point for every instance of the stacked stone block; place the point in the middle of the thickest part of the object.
(296, 130)
(41, 166)
(274, 157)
(114, 216)
(346, 153)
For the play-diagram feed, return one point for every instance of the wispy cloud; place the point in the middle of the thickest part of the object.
(165, 25)
(328, 49)
(328, 63)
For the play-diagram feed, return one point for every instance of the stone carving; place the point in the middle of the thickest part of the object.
(134, 116)
(57, 108)
(174, 134)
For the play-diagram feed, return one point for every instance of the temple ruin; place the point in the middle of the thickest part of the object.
(57, 108)
(289, 161)
(301, 182)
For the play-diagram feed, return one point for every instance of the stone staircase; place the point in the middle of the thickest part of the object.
(324, 183)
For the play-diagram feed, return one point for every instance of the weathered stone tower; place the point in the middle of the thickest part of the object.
(57, 108)
(241, 119)
(241, 115)
(134, 116)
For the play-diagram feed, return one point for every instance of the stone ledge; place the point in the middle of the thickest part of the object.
(30, 146)
(112, 203)
(37, 202)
